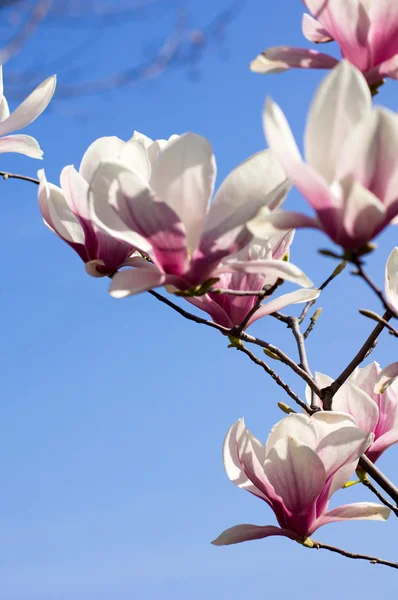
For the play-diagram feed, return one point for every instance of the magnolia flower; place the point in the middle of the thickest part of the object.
(159, 203)
(351, 174)
(229, 310)
(305, 460)
(65, 209)
(365, 397)
(26, 113)
(365, 30)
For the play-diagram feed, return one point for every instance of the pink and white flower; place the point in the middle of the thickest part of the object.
(305, 460)
(159, 203)
(23, 115)
(229, 310)
(391, 281)
(350, 176)
(365, 30)
(65, 209)
(372, 404)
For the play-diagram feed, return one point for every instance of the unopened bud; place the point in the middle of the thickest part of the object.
(271, 354)
(285, 408)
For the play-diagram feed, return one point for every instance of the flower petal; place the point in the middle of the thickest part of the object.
(278, 268)
(183, 177)
(133, 281)
(30, 108)
(360, 511)
(297, 425)
(391, 280)
(382, 444)
(281, 58)
(282, 301)
(342, 100)
(267, 223)
(23, 144)
(245, 533)
(102, 150)
(313, 30)
(343, 445)
(354, 401)
(387, 376)
(363, 215)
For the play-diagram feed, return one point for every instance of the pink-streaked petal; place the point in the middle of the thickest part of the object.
(282, 58)
(102, 150)
(212, 308)
(354, 401)
(326, 422)
(22, 144)
(363, 214)
(133, 281)
(30, 108)
(75, 189)
(56, 212)
(383, 35)
(386, 377)
(135, 155)
(360, 511)
(299, 426)
(183, 178)
(388, 68)
(93, 268)
(296, 473)
(313, 187)
(276, 304)
(245, 533)
(277, 268)
(342, 100)
(364, 378)
(267, 223)
(232, 464)
(104, 186)
(343, 445)
(391, 280)
(382, 444)
(313, 30)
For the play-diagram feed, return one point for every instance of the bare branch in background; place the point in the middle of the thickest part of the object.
(84, 24)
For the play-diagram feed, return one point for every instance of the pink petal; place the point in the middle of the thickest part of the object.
(277, 268)
(23, 144)
(30, 108)
(360, 511)
(343, 445)
(183, 178)
(354, 401)
(296, 473)
(232, 462)
(313, 187)
(382, 444)
(282, 58)
(282, 301)
(342, 100)
(212, 308)
(133, 281)
(102, 150)
(388, 375)
(383, 36)
(391, 280)
(313, 30)
(245, 533)
(267, 223)
(299, 426)
(363, 215)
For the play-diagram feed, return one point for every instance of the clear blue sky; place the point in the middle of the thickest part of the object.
(114, 412)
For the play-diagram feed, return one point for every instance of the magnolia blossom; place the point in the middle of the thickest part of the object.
(365, 397)
(229, 310)
(351, 174)
(365, 30)
(159, 203)
(23, 115)
(305, 460)
(65, 209)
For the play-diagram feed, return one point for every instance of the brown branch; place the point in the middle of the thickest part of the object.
(375, 317)
(6, 176)
(379, 477)
(239, 346)
(367, 279)
(372, 559)
(336, 272)
(366, 482)
(313, 321)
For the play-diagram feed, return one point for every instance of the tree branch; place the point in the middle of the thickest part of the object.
(379, 477)
(372, 559)
(6, 176)
(366, 482)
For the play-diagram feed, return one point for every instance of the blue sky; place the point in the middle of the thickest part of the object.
(114, 412)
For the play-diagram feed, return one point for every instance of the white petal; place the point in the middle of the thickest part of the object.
(297, 425)
(354, 401)
(276, 304)
(391, 279)
(386, 377)
(102, 150)
(23, 144)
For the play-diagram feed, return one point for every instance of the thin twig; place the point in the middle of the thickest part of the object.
(308, 305)
(274, 376)
(328, 392)
(6, 175)
(367, 279)
(372, 559)
(266, 292)
(375, 317)
(313, 321)
(366, 481)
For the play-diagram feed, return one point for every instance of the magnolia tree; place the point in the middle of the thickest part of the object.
(144, 213)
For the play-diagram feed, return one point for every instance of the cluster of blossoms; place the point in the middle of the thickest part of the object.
(144, 213)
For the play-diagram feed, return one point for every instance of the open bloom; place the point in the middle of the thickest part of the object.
(374, 409)
(229, 310)
(22, 116)
(305, 460)
(365, 30)
(351, 174)
(65, 209)
(159, 203)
